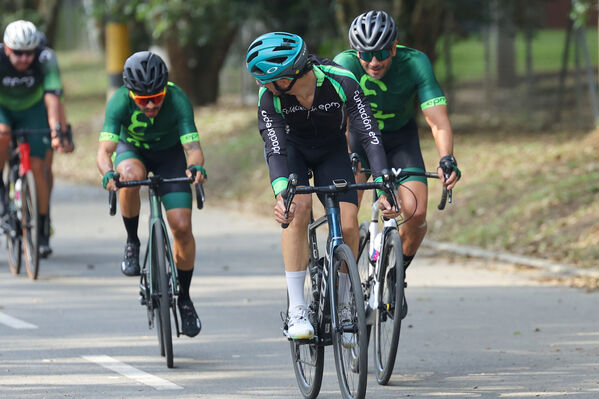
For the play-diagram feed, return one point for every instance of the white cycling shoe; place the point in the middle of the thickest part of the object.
(348, 340)
(298, 325)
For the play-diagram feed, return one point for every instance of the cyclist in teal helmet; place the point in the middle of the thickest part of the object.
(303, 107)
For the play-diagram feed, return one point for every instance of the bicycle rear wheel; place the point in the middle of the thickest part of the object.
(30, 224)
(308, 357)
(387, 323)
(162, 310)
(347, 312)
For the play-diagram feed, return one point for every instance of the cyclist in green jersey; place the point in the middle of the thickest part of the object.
(392, 77)
(31, 98)
(149, 124)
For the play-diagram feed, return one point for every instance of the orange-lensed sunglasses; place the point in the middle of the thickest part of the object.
(144, 100)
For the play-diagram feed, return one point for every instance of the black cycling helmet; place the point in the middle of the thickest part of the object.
(145, 73)
(372, 31)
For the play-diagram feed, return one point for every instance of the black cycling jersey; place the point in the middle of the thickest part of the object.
(338, 96)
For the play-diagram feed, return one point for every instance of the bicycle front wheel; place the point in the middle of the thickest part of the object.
(12, 230)
(350, 341)
(162, 310)
(30, 224)
(308, 357)
(387, 323)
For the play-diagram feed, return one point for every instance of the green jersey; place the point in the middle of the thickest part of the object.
(174, 122)
(392, 98)
(20, 90)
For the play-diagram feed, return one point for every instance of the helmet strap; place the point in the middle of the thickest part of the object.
(307, 68)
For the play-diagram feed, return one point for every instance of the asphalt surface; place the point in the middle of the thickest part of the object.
(474, 329)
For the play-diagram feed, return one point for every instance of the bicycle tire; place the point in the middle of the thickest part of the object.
(13, 242)
(162, 311)
(308, 358)
(30, 225)
(387, 323)
(351, 388)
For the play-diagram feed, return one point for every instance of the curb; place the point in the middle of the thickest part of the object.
(475, 252)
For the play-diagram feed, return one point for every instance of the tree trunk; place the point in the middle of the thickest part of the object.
(196, 68)
(427, 23)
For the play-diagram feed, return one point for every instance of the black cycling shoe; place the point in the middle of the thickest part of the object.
(190, 322)
(44, 245)
(130, 264)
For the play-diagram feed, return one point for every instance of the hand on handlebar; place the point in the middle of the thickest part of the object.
(387, 209)
(280, 211)
(193, 173)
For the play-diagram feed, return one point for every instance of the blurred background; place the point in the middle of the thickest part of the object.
(520, 77)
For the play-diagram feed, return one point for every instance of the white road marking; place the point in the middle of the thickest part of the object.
(131, 372)
(14, 322)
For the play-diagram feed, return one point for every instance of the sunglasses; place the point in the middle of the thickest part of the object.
(380, 55)
(145, 100)
(19, 53)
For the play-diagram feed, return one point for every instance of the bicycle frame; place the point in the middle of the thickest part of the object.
(157, 219)
(335, 238)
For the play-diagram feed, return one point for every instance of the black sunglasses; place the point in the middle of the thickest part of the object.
(19, 53)
(380, 55)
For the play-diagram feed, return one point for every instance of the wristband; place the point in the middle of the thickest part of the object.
(106, 178)
(198, 168)
(379, 192)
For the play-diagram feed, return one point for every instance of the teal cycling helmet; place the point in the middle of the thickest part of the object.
(277, 55)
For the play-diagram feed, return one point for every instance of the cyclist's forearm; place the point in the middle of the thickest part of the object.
(103, 159)
(437, 119)
(55, 111)
(194, 153)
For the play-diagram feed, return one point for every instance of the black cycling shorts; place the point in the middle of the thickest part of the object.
(402, 148)
(167, 163)
(327, 163)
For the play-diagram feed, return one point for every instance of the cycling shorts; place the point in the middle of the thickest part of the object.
(167, 163)
(34, 117)
(402, 148)
(327, 163)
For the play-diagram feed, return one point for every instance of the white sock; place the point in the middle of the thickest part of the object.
(343, 288)
(295, 288)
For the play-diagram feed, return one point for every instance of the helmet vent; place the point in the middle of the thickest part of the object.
(280, 48)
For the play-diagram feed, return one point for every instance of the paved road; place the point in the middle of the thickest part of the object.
(473, 331)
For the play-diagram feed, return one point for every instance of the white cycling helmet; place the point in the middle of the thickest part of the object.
(21, 35)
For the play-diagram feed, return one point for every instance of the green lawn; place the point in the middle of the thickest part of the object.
(547, 48)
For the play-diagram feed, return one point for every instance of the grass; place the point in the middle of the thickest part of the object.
(522, 191)
(547, 47)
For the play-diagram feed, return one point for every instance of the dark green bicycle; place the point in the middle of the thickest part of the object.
(159, 285)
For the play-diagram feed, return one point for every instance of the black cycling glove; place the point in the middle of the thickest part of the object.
(449, 164)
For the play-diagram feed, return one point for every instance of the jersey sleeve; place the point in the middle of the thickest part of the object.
(115, 110)
(187, 127)
(272, 128)
(429, 91)
(49, 65)
(365, 126)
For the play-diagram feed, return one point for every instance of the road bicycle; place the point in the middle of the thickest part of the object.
(321, 291)
(381, 270)
(20, 222)
(159, 286)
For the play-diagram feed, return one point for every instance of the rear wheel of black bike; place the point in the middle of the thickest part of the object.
(347, 312)
(308, 358)
(387, 323)
(162, 310)
(30, 224)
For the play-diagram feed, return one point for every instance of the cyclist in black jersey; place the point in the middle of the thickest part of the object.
(392, 76)
(149, 124)
(31, 98)
(304, 104)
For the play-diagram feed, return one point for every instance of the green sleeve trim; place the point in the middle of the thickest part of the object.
(379, 192)
(434, 102)
(107, 136)
(319, 75)
(189, 137)
(279, 185)
(339, 89)
(337, 71)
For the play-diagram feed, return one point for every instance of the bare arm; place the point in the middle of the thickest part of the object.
(56, 115)
(194, 156)
(437, 119)
(104, 161)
